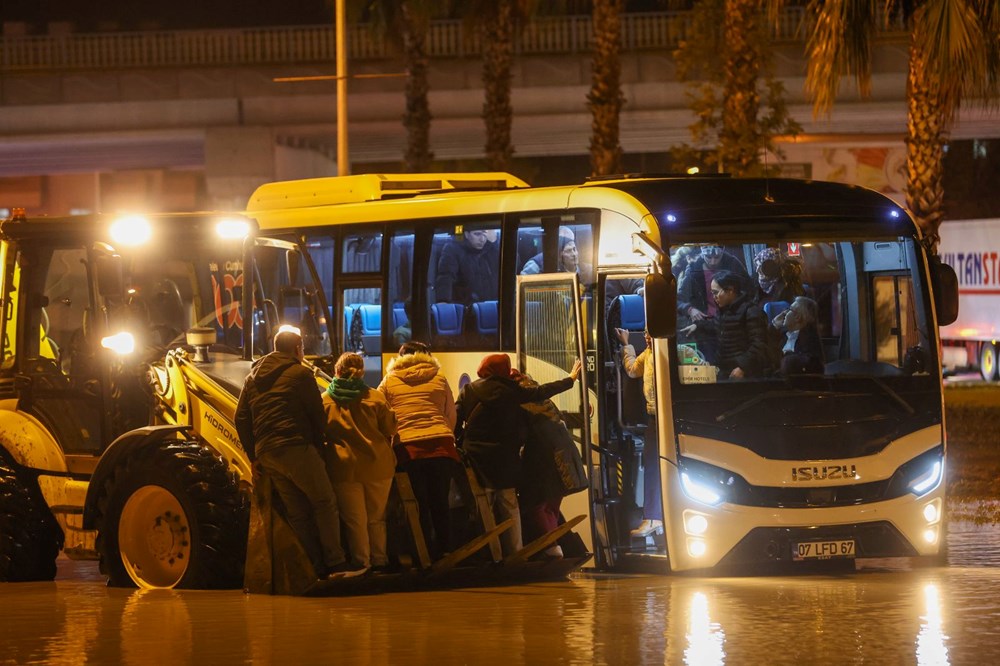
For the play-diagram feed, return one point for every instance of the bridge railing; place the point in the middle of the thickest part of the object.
(315, 43)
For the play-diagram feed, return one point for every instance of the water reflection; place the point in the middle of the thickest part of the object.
(931, 648)
(895, 614)
(705, 639)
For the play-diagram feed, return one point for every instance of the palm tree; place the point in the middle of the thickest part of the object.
(605, 98)
(405, 24)
(954, 55)
(497, 23)
(738, 102)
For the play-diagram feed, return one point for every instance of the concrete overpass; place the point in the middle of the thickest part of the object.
(194, 119)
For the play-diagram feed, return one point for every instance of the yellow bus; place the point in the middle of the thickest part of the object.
(728, 452)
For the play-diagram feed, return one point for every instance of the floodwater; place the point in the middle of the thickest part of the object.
(885, 614)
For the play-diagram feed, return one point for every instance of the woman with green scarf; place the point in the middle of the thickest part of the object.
(360, 461)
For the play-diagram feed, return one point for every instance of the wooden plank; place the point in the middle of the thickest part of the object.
(413, 517)
(543, 542)
(457, 556)
(485, 513)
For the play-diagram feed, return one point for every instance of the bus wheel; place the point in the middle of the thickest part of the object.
(173, 516)
(30, 538)
(988, 361)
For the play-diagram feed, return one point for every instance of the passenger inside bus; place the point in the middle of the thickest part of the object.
(694, 301)
(801, 348)
(468, 268)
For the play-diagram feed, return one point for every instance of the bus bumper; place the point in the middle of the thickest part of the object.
(705, 537)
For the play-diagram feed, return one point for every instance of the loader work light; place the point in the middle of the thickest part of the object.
(120, 343)
(131, 230)
(232, 229)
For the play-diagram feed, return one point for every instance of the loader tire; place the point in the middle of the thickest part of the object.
(30, 539)
(172, 515)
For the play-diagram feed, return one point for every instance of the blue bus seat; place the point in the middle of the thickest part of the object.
(447, 318)
(486, 315)
(371, 319)
(633, 312)
(399, 317)
(774, 308)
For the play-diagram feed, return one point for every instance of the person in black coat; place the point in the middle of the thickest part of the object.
(740, 327)
(694, 302)
(489, 429)
(801, 348)
(551, 466)
(281, 423)
(468, 270)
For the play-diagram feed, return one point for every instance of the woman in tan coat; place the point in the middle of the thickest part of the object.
(360, 427)
(421, 398)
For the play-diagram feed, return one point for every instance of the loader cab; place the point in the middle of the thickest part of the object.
(60, 294)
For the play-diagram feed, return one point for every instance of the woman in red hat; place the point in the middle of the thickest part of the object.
(489, 413)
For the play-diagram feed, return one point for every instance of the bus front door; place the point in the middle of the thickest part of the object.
(549, 341)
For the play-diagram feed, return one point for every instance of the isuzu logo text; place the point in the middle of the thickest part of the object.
(824, 473)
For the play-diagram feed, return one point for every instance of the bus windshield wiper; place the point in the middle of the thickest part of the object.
(888, 390)
(767, 395)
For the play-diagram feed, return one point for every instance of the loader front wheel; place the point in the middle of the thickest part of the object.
(172, 515)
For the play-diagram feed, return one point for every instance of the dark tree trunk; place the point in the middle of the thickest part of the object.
(605, 98)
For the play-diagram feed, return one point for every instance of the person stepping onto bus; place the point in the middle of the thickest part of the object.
(636, 367)
(280, 422)
(489, 413)
(360, 427)
(552, 467)
(421, 399)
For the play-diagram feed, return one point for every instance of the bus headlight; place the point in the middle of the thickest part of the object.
(931, 513)
(696, 547)
(695, 523)
(928, 480)
(120, 343)
(698, 491)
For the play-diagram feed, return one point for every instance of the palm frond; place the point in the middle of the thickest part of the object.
(839, 44)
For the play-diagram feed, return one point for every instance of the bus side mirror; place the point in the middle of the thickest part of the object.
(661, 305)
(944, 283)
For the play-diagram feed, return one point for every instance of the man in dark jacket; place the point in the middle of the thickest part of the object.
(694, 302)
(280, 422)
(490, 411)
(468, 270)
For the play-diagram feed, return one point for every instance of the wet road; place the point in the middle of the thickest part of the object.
(890, 614)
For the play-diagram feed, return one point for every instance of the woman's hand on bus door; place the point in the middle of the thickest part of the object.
(575, 372)
(622, 334)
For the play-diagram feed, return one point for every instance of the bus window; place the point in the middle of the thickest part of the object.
(400, 287)
(557, 243)
(464, 285)
(830, 308)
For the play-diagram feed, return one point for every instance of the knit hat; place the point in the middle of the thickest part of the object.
(494, 364)
(768, 254)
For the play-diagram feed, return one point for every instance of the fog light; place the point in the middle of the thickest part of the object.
(695, 524)
(696, 547)
(930, 513)
(930, 535)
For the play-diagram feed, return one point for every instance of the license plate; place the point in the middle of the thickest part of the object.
(823, 550)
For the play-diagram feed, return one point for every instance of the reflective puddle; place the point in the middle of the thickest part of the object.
(889, 613)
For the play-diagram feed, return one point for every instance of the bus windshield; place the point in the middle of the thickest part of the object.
(803, 334)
